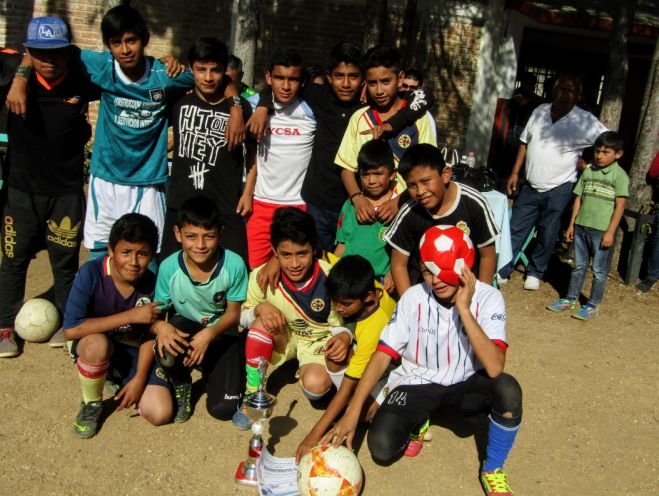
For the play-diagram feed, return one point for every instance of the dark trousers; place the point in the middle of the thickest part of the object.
(326, 223)
(223, 369)
(31, 222)
(407, 407)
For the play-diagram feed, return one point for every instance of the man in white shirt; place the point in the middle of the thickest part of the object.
(551, 146)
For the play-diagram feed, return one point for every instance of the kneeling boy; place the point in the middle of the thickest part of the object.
(107, 319)
(450, 338)
(203, 285)
(296, 319)
(367, 309)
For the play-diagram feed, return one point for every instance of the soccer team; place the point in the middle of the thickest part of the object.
(235, 253)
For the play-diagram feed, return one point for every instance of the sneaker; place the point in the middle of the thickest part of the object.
(8, 345)
(415, 444)
(182, 393)
(532, 283)
(495, 483)
(240, 419)
(562, 304)
(645, 285)
(502, 280)
(86, 424)
(57, 340)
(586, 312)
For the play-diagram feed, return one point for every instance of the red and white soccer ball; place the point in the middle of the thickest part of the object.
(37, 320)
(445, 250)
(329, 471)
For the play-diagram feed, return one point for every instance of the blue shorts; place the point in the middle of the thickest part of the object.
(123, 365)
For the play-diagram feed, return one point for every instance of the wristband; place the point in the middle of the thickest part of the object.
(235, 101)
(355, 194)
(23, 71)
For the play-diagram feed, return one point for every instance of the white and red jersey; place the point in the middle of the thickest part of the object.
(430, 341)
(284, 154)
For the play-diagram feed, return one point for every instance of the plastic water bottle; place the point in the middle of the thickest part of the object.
(471, 160)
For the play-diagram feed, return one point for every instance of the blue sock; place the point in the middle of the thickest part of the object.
(500, 441)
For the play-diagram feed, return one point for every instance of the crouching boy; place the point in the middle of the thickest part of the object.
(107, 319)
(449, 334)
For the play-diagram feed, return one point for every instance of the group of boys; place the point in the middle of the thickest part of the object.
(313, 164)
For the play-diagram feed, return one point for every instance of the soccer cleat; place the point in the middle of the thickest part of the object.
(532, 283)
(562, 304)
(586, 312)
(495, 483)
(182, 393)
(645, 285)
(8, 345)
(57, 340)
(415, 444)
(86, 424)
(240, 419)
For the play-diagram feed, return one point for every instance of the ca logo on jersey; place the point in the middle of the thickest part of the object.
(157, 95)
(317, 304)
(404, 140)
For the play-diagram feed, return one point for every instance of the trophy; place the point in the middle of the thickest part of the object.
(259, 409)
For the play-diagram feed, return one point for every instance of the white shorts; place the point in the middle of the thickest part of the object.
(106, 202)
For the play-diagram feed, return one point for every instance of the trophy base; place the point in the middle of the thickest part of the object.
(246, 476)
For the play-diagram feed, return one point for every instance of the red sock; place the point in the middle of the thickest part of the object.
(259, 344)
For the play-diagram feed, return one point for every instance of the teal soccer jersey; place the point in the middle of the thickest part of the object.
(203, 302)
(130, 144)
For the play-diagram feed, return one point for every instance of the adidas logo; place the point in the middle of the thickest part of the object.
(64, 234)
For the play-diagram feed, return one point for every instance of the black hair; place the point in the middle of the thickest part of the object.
(285, 57)
(208, 50)
(134, 228)
(610, 139)
(414, 74)
(310, 73)
(234, 63)
(374, 154)
(199, 211)
(569, 76)
(422, 155)
(123, 19)
(351, 277)
(292, 224)
(382, 56)
(347, 53)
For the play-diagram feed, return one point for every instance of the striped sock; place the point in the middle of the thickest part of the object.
(92, 377)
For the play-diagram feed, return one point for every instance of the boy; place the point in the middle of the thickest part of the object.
(296, 319)
(599, 204)
(377, 176)
(235, 72)
(382, 66)
(436, 200)
(107, 322)
(202, 163)
(367, 309)
(283, 154)
(203, 287)
(451, 342)
(43, 204)
(332, 104)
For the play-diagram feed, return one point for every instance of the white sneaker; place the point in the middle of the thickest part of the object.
(501, 280)
(532, 283)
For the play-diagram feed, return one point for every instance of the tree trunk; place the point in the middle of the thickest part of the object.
(618, 65)
(408, 34)
(246, 34)
(376, 16)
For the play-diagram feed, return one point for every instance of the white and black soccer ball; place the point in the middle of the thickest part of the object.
(329, 471)
(445, 250)
(37, 320)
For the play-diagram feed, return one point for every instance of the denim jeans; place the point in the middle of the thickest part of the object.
(587, 242)
(653, 261)
(544, 210)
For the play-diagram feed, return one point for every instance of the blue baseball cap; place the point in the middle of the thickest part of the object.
(47, 33)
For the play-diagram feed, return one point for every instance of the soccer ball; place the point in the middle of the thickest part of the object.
(37, 320)
(329, 471)
(445, 250)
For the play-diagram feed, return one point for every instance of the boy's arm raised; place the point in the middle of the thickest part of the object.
(144, 314)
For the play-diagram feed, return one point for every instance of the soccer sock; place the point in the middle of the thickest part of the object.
(92, 377)
(500, 441)
(259, 344)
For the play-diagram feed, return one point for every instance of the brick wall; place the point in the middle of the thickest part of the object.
(445, 45)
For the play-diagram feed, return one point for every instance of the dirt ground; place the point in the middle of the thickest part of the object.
(590, 418)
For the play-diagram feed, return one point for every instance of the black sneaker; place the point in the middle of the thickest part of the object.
(182, 394)
(86, 424)
(645, 285)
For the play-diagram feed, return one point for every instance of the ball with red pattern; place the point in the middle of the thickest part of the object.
(445, 250)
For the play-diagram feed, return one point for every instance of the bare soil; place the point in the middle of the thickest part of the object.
(590, 418)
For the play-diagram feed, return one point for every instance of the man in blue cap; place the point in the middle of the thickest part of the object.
(44, 204)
